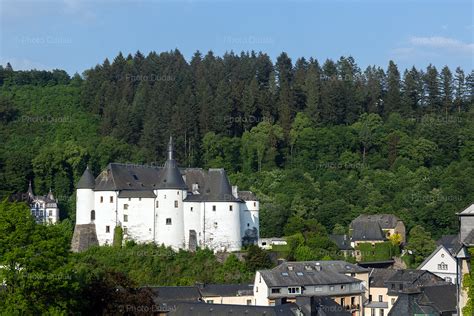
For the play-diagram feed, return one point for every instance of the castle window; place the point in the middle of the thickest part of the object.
(107, 229)
(230, 207)
(168, 221)
(215, 224)
(139, 199)
(125, 206)
(125, 230)
(101, 199)
(129, 199)
(254, 203)
(111, 199)
(125, 218)
(177, 192)
(248, 225)
(92, 215)
(214, 208)
(176, 204)
(191, 209)
(157, 204)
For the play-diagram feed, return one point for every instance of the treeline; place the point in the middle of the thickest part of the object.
(312, 140)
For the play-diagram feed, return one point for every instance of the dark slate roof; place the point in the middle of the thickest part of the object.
(170, 176)
(386, 221)
(321, 306)
(450, 242)
(226, 289)
(186, 309)
(413, 279)
(343, 242)
(377, 277)
(87, 180)
(217, 188)
(307, 273)
(136, 194)
(367, 231)
(441, 297)
(247, 196)
(166, 294)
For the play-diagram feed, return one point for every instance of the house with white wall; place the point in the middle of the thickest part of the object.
(441, 263)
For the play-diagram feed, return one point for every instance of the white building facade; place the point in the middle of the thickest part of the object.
(441, 263)
(181, 208)
(45, 208)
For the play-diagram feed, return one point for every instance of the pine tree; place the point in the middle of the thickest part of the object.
(285, 92)
(432, 89)
(392, 98)
(312, 88)
(460, 88)
(447, 89)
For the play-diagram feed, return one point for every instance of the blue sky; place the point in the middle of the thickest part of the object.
(75, 35)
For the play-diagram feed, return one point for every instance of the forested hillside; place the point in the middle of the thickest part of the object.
(324, 141)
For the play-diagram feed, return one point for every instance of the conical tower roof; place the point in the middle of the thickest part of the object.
(87, 180)
(30, 190)
(170, 176)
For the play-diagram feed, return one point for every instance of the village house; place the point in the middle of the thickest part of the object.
(376, 228)
(442, 263)
(343, 282)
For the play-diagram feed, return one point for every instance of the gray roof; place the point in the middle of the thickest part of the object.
(386, 221)
(217, 188)
(307, 273)
(469, 240)
(343, 242)
(413, 279)
(187, 309)
(377, 277)
(213, 185)
(170, 176)
(441, 297)
(321, 306)
(367, 231)
(136, 194)
(226, 289)
(450, 242)
(164, 294)
(87, 180)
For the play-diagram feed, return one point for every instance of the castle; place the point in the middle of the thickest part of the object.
(182, 208)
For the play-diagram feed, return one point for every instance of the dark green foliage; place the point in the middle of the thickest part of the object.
(118, 236)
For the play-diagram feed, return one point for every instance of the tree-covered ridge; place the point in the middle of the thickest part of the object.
(313, 140)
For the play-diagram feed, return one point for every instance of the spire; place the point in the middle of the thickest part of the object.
(170, 176)
(50, 194)
(30, 190)
(170, 148)
(87, 180)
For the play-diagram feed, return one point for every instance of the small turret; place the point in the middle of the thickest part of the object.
(30, 191)
(87, 180)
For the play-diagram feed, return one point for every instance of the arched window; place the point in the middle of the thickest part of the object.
(92, 215)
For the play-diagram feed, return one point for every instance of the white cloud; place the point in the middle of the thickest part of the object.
(443, 43)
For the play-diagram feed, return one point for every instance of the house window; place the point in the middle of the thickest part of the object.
(372, 312)
(111, 199)
(107, 229)
(125, 206)
(92, 215)
(448, 279)
(400, 287)
(381, 313)
(370, 298)
(168, 221)
(214, 208)
(318, 288)
(101, 199)
(210, 301)
(294, 290)
(125, 218)
(230, 207)
(331, 288)
(50, 213)
(157, 204)
(442, 266)
(176, 204)
(380, 298)
(275, 291)
(343, 287)
(249, 302)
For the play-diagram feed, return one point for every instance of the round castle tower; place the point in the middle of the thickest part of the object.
(85, 198)
(170, 193)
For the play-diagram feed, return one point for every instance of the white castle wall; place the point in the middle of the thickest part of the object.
(105, 215)
(249, 216)
(84, 206)
(170, 234)
(192, 221)
(222, 226)
(140, 222)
